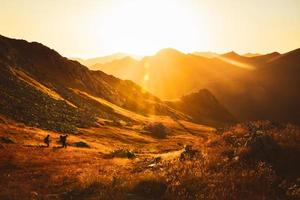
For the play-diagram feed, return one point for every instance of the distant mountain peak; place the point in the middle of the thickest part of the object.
(202, 93)
(206, 54)
(105, 59)
(275, 53)
(231, 54)
(169, 51)
(251, 55)
(294, 52)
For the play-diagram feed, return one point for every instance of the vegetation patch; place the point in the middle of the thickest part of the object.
(7, 140)
(81, 144)
(152, 189)
(156, 130)
(2, 121)
(122, 153)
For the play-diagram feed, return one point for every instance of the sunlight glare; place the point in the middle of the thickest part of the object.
(146, 77)
(143, 27)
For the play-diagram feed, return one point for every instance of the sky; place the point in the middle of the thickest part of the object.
(90, 28)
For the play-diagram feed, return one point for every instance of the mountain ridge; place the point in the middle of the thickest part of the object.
(255, 81)
(41, 88)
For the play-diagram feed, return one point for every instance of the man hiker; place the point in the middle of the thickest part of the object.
(47, 140)
(63, 140)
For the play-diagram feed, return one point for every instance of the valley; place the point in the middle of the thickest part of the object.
(126, 143)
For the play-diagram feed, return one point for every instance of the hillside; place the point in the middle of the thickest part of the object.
(170, 66)
(104, 59)
(203, 108)
(251, 88)
(268, 92)
(116, 67)
(37, 87)
(251, 161)
(41, 88)
(125, 143)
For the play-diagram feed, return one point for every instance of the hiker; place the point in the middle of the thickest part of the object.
(63, 140)
(188, 152)
(47, 140)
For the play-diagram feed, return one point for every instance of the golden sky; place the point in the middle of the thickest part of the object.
(87, 28)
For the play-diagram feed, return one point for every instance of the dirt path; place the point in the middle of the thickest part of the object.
(165, 156)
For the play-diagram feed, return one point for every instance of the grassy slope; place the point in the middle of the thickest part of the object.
(86, 173)
(65, 166)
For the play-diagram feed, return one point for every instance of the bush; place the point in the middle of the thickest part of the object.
(2, 121)
(123, 153)
(81, 144)
(157, 130)
(7, 140)
(153, 189)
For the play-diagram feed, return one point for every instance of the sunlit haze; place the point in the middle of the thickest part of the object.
(94, 28)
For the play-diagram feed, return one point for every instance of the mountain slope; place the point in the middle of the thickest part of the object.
(159, 73)
(252, 88)
(104, 59)
(203, 107)
(37, 88)
(116, 67)
(41, 88)
(271, 91)
(207, 54)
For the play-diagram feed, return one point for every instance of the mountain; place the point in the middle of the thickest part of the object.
(271, 91)
(163, 72)
(207, 54)
(41, 88)
(203, 107)
(104, 59)
(116, 67)
(251, 54)
(250, 87)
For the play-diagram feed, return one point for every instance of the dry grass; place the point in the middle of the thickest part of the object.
(217, 172)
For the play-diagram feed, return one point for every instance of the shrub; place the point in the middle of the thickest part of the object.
(7, 140)
(153, 189)
(81, 144)
(156, 130)
(123, 153)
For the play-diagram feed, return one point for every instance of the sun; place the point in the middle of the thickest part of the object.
(143, 27)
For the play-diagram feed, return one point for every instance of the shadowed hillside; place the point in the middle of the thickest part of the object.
(203, 108)
(252, 88)
(268, 92)
(41, 88)
(160, 72)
